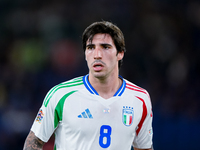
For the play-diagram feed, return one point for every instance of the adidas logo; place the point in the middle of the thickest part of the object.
(85, 114)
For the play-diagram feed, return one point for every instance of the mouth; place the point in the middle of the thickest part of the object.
(98, 66)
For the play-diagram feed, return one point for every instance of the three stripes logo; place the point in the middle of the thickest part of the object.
(85, 114)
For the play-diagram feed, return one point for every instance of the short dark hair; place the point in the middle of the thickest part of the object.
(105, 27)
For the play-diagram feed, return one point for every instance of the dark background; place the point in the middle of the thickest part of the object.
(40, 46)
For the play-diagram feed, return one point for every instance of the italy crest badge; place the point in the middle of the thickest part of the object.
(127, 115)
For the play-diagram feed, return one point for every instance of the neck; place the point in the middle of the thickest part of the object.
(106, 87)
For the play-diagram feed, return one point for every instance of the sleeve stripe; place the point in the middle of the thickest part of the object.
(135, 89)
(134, 86)
(144, 114)
(59, 109)
(64, 85)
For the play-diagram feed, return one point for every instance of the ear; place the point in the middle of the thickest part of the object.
(120, 55)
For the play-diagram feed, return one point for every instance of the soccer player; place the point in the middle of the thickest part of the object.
(98, 111)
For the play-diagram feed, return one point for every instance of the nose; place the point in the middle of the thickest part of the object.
(97, 53)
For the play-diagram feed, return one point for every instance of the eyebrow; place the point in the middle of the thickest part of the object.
(106, 44)
(89, 45)
(102, 44)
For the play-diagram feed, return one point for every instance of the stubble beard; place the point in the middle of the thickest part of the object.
(99, 75)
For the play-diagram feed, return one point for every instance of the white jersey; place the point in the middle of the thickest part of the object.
(83, 120)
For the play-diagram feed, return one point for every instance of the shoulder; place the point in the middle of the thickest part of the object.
(141, 95)
(135, 88)
(58, 91)
(138, 92)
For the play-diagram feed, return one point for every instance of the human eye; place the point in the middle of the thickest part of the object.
(106, 46)
(90, 47)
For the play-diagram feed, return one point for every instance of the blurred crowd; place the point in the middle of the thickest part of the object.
(40, 46)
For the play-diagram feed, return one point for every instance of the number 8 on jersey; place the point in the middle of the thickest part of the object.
(104, 138)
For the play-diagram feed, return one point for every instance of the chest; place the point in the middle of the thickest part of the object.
(88, 114)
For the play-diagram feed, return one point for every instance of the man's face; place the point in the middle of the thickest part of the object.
(101, 56)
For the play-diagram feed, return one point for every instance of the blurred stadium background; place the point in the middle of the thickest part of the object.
(40, 46)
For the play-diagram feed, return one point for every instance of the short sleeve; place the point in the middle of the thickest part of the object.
(43, 125)
(143, 139)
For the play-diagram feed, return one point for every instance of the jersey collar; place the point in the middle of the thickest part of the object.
(93, 91)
